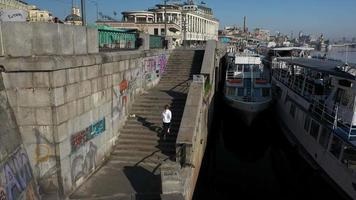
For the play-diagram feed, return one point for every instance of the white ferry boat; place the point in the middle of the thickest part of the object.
(247, 88)
(315, 103)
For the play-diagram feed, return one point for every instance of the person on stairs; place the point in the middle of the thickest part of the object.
(166, 118)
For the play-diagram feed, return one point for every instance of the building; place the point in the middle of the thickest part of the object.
(33, 13)
(189, 22)
(74, 18)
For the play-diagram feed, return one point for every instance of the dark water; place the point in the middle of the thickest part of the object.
(255, 162)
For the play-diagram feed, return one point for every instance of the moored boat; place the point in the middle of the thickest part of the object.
(247, 89)
(315, 104)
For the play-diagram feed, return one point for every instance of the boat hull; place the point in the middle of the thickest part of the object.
(247, 111)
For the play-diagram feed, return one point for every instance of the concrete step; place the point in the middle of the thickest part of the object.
(146, 147)
(155, 154)
(145, 142)
(146, 137)
(156, 122)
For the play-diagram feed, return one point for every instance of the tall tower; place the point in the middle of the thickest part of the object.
(245, 28)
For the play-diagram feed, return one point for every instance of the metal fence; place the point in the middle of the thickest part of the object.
(110, 38)
(156, 42)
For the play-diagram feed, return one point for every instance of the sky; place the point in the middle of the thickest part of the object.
(334, 18)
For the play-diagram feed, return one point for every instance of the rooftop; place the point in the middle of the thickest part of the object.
(331, 67)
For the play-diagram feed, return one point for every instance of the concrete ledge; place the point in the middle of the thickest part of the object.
(190, 118)
(207, 68)
(53, 63)
(21, 39)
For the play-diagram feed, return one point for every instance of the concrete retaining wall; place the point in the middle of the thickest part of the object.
(16, 177)
(69, 101)
(39, 39)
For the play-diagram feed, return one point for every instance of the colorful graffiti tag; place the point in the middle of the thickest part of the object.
(17, 176)
(79, 139)
(154, 66)
(121, 94)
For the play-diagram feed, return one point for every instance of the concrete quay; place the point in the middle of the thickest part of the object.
(86, 123)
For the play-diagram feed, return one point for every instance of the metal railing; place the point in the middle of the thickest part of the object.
(110, 38)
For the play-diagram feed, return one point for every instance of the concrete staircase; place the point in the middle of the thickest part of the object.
(134, 169)
(140, 136)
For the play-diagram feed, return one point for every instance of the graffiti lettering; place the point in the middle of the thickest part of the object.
(18, 175)
(84, 164)
(154, 66)
(43, 148)
(2, 194)
(39, 149)
(80, 138)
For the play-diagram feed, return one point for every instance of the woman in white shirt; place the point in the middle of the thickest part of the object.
(166, 118)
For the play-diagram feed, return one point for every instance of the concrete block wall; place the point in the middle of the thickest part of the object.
(41, 39)
(16, 176)
(69, 116)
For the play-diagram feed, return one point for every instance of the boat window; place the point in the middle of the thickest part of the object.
(240, 91)
(239, 68)
(230, 91)
(292, 110)
(335, 147)
(324, 137)
(314, 129)
(307, 123)
(257, 92)
(265, 92)
(246, 68)
(349, 157)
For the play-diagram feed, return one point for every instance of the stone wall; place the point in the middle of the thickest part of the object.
(69, 108)
(16, 177)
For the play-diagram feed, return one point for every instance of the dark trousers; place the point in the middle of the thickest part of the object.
(166, 126)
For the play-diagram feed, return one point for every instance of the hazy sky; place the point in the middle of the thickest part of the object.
(334, 18)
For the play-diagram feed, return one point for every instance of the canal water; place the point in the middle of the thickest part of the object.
(255, 162)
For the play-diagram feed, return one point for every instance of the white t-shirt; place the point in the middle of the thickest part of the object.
(167, 116)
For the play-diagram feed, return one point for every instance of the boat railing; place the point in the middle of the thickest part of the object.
(335, 116)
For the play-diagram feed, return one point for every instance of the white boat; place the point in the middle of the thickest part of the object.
(247, 88)
(315, 103)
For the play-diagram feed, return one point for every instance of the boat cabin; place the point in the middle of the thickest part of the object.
(328, 86)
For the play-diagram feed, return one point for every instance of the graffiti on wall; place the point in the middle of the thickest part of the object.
(16, 177)
(120, 99)
(84, 162)
(2, 194)
(82, 137)
(43, 150)
(154, 66)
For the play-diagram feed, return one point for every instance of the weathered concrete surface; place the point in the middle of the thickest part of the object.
(16, 176)
(69, 112)
(209, 60)
(41, 39)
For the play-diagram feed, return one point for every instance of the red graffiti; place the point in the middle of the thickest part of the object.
(123, 85)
